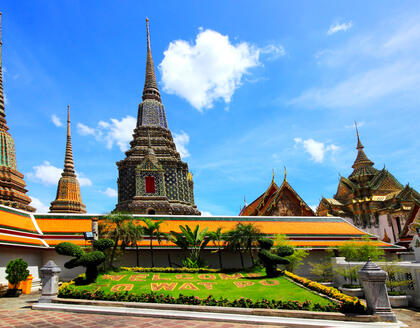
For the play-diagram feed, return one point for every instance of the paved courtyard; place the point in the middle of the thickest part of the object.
(17, 312)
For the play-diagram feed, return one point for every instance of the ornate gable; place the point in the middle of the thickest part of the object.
(344, 189)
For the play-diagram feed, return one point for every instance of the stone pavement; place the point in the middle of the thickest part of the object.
(16, 312)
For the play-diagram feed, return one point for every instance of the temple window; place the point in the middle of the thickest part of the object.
(150, 185)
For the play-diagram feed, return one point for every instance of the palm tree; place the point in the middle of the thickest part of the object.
(218, 238)
(250, 234)
(133, 234)
(192, 241)
(114, 228)
(242, 238)
(152, 229)
(234, 243)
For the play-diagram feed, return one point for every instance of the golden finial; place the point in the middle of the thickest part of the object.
(148, 34)
(273, 175)
(285, 174)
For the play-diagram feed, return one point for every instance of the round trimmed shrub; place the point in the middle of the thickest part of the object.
(69, 249)
(103, 244)
(17, 271)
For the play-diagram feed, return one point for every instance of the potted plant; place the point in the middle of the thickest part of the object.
(323, 272)
(17, 271)
(396, 284)
(352, 286)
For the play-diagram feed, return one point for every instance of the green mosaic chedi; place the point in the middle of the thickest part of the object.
(12, 185)
(152, 178)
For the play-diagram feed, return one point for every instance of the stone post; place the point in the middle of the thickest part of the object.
(49, 279)
(95, 229)
(373, 281)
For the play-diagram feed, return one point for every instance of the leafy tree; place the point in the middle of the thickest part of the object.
(350, 274)
(296, 259)
(218, 238)
(235, 243)
(360, 250)
(88, 260)
(192, 241)
(270, 260)
(395, 282)
(103, 245)
(17, 271)
(323, 270)
(114, 228)
(152, 229)
(133, 233)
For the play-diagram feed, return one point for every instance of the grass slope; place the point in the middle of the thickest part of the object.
(231, 286)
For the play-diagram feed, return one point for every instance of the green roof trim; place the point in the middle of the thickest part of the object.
(19, 229)
(9, 210)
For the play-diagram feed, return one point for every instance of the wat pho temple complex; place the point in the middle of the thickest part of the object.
(154, 182)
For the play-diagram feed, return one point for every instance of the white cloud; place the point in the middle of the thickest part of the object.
(46, 174)
(83, 181)
(273, 51)
(119, 132)
(366, 87)
(181, 141)
(380, 65)
(49, 175)
(315, 148)
(112, 193)
(84, 130)
(40, 206)
(56, 120)
(339, 27)
(209, 70)
(205, 213)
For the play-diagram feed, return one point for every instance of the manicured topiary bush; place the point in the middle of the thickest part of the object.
(88, 260)
(270, 259)
(17, 271)
(102, 244)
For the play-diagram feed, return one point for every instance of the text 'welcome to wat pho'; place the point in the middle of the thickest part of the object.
(154, 182)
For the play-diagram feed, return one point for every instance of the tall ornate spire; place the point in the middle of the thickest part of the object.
(12, 185)
(68, 199)
(2, 112)
(151, 90)
(362, 166)
(68, 160)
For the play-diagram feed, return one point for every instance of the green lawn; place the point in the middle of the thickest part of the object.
(231, 286)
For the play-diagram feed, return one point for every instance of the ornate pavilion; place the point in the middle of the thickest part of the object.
(372, 199)
(152, 178)
(278, 201)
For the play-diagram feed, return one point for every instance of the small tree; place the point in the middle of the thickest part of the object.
(152, 229)
(103, 245)
(88, 260)
(271, 260)
(296, 259)
(323, 270)
(350, 274)
(218, 238)
(395, 282)
(17, 271)
(192, 241)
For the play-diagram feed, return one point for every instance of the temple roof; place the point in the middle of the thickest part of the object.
(20, 228)
(265, 203)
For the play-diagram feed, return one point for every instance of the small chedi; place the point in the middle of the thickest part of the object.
(12, 185)
(373, 199)
(68, 199)
(152, 178)
(278, 201)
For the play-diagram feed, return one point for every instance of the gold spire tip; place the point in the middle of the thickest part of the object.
(285, 174)
(273, 175)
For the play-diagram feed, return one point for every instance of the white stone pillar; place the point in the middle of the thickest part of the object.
(373, 281)
(49, 279)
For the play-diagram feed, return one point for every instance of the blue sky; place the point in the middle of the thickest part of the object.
(247, 89)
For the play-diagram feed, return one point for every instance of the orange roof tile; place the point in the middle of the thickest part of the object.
(16, 220)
